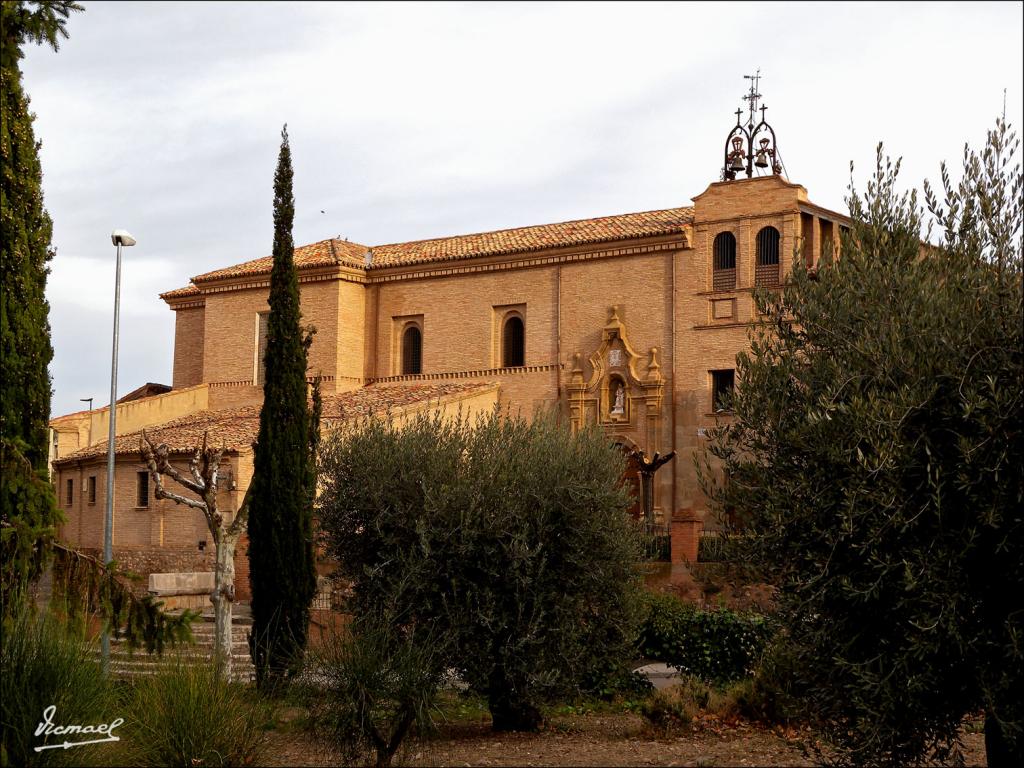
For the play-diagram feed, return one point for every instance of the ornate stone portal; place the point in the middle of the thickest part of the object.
(628, 406)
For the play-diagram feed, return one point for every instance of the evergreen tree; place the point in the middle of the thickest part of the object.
(28, 509)
(281, 559)
(877, 464)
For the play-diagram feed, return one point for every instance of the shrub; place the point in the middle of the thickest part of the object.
(773, 694)
(187, 715)
(43, 665)
(716, 645)
(374, 686)
(677, 705)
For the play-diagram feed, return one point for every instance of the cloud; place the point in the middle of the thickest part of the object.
(417, 120)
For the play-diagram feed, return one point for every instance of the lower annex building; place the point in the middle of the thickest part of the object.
(631, 322)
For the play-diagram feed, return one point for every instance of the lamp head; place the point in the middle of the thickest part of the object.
(121, 237)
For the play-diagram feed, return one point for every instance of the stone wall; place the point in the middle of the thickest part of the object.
(156, 560)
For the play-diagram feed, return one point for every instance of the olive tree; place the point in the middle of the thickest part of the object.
(876, 462)
(517, 534)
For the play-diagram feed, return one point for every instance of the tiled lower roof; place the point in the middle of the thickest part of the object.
(379, 398)
(627, 226)
(236, 428)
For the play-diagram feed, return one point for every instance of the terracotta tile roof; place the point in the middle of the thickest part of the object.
(324, 253)
(378, 398)
(149, 389)
(626, 226)
(237, 428)
(180, 293)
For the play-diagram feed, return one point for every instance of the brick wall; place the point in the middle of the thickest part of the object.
(189, 343)
(161, 523)
(149, 560)
(565, 306)
(230, 330)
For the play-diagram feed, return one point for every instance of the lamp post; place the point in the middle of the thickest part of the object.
(120, 238)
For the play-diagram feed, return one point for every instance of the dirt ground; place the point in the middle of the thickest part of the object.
(590, 740)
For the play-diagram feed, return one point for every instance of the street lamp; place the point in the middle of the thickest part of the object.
(119, 237)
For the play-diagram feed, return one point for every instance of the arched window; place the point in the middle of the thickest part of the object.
(412, 351)
(513, 343)
(767, 271)
(724, 263)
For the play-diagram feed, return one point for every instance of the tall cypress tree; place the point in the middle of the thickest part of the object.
(281, 560)
(28, 507)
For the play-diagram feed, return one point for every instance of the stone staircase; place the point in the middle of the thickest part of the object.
(126, 663)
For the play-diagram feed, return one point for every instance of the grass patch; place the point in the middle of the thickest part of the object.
(42, 664)
(185, 715)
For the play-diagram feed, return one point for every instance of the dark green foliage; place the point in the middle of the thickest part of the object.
(374, 685)
(711, 549)
(29, 517)
(186, 715)
(83, 587)
(716, 645)
(510, 538)
(44, 665)
(281, 559)
(877, 460)
(773, 694)
(28, 508)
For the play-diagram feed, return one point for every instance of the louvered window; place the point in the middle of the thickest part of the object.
(412, 351)
(724, 262)
(767, 271)
(261, 347)
(513, 343)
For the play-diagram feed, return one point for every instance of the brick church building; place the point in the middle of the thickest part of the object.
(630, 321)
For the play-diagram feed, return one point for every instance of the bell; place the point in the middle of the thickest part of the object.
(761, 161)
(737, 162)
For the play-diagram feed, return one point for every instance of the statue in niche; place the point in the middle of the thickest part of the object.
(620, 401)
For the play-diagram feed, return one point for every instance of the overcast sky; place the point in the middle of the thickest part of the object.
(422, 120)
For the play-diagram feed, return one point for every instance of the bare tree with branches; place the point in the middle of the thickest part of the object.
(203, 468)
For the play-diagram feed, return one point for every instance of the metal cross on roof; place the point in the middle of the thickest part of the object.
(752, 97)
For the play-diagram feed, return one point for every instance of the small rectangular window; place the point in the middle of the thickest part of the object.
(142, 490)
(70, 494)
(722, 383)
(92, 489)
